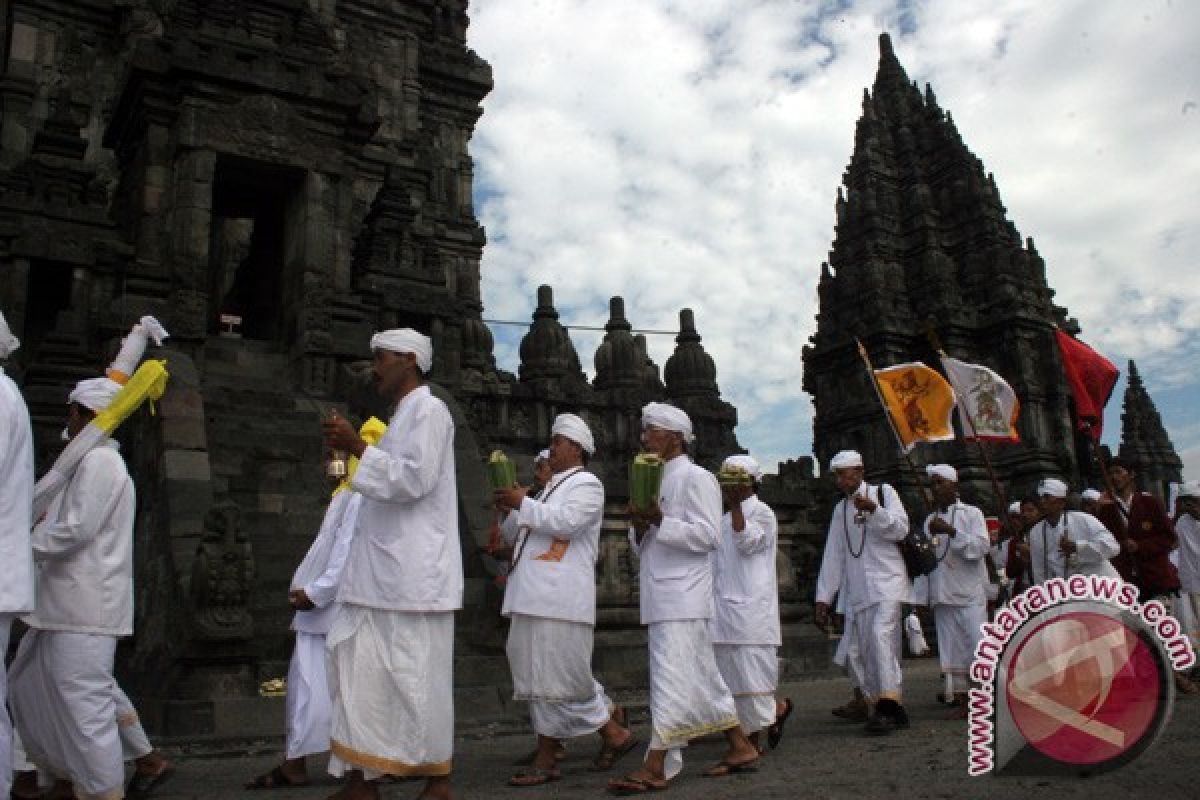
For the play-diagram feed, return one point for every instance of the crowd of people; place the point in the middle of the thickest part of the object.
(371, 677)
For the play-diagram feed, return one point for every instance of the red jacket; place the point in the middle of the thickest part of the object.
(1149, 568)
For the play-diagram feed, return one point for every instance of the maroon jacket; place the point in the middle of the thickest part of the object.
(1149, 568)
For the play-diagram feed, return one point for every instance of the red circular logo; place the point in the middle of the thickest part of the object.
(1084, 688)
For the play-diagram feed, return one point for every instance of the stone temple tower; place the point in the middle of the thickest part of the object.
(1144, 440)
(922, 241)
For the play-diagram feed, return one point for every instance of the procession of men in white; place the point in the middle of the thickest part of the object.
(371, 677)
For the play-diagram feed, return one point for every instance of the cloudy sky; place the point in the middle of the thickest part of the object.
(687, 154)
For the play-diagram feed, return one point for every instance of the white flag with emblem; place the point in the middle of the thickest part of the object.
(985, 401)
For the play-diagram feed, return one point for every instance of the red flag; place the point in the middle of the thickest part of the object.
(1091, 377)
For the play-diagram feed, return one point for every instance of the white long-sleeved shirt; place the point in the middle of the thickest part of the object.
(1094, 543)
(1188, 531)
(84, 550)
(558, 538)
(320, 573)
(863, 560)
(744, 579)
(16, 500)
(675, 572)
(960, 578)
(405, 555)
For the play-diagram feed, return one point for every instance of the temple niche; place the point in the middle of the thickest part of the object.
(275, 180)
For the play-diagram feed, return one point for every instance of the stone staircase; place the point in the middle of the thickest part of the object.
(266, 455)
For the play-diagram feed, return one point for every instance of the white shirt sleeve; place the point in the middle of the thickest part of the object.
(412, 471)
(698, 530)
(573, 516)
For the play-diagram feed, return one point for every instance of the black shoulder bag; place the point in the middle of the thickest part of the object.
(918, 549)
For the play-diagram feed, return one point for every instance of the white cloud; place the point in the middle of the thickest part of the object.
(687, 154)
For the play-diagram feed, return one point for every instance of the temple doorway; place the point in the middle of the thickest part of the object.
(253, 205)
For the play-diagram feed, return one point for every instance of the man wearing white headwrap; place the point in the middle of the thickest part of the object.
(391, 645)
(957, 585)
(16, 504)
(313, 593)
(62, 678)
(1089, 501)
(550, 598)
(862, 560)
(1066, 543)
(745, 628)
(675, 539)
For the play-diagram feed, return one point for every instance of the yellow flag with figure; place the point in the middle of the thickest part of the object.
(920, 402)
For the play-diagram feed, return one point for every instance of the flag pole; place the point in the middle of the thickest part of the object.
(997, 489)
(862, 351)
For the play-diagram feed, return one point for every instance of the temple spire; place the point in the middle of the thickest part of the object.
(1144, 440)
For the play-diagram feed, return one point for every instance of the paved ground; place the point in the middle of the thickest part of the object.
(820, 757)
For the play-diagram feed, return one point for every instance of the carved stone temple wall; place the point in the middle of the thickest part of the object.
(275, 180)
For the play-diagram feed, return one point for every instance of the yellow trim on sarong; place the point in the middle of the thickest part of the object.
(696, 731)
(387, 765)
(127, 719)
(889, 696)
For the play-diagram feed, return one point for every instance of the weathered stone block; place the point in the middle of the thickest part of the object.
(187, 465)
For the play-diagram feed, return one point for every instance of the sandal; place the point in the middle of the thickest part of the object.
(609, 756)
(631, 785)
(775, 729)
(534, 776)
(142, 784)
(275, 779)
(725, 768)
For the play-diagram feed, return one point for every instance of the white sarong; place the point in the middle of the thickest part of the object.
(688, 698)
(958, 632)
(309, 704)
(6, 731)
(62, 695)
(392, 677)
(873, 650)
(551, 664)
(751, 672)
(134, 742)
(1187, 612)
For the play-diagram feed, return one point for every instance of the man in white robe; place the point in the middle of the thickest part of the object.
(16, 506)
(957, 587)
(862, 559)
(1187, 559)
(745, 628)
(550, 599)
(308, 706)
(675, 540)
(1066, 543)
(63, 694)
(391, 646)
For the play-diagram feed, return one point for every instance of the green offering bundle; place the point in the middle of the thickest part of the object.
(732, 476)
(501, 473)
(645, 478)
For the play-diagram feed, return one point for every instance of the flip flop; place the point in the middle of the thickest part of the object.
(534, 776)
(527, 760)
(609, 756)
(630, 785)
(725, 768)
(275, 779)
(775, 730)
(141, 785)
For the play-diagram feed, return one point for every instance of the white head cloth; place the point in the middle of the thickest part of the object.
(1091, 494)
(1014, 507)
(943, 471)
(575, 429)
(542, 456)
(133, 346)
(406, 340)
(94, 393)
(747, 463)
(845, 460)
(1189, 489)
(8, 342)
(1052, 487)
(668, 417)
